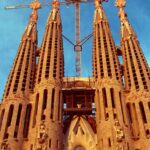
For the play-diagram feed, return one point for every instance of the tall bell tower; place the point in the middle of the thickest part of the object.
(137, 81)
(47, 120)
(16, 108)
(109, 99)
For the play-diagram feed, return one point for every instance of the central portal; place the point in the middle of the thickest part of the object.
(79, 148)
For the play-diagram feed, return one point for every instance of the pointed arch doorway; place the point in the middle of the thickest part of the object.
(80, 135)
(79, 148)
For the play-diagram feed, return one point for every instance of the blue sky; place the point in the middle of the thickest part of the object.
(13, 23)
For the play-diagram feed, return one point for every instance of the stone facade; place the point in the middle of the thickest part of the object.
(43, 110)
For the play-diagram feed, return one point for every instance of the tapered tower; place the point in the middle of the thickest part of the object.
(47, 114)
(112, 132)
(15, 107)
(137, 82)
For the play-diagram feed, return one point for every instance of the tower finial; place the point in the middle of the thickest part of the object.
(99, 2)
(55, 4)
(34, 6)
(120, 3)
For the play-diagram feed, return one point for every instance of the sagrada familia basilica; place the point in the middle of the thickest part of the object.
(41, 109)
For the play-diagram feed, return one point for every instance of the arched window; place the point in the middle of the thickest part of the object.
(18, 120)
(35, 110)
(128, 106)
(52, 103)
(143, 112)
(27, 121)
(1, 117)
(44, 105)
(104, 98)
(105, 103)
(9, 119)
(112, 97)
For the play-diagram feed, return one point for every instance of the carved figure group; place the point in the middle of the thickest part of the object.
(4, 146)
(119, 131)
(42, 137)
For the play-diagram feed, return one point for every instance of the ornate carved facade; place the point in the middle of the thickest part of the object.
(42, 109)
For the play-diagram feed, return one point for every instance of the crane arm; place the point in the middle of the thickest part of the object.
(16, 6)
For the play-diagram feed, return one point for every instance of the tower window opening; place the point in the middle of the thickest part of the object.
(49, 143)
(115, 116)
(106, 116)
(104, 97)
(18, 120)
(10, 114)
(109, 142)
(147, 133)
(9, 119)
(52, 103)
(105, 103)
(59, 108)
(128, 106)
(120, 98)
(1, 117)
(112, 97)
(149, 105)
(27, 121)
(35, 109)
(43, 117)
(142, 112)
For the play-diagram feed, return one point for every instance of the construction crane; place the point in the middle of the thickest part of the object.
(78, 43)
(78, 47)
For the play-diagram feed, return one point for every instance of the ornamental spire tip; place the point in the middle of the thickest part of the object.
(120, 3)
(99, 2)
(35, 5)
(55, 4)
(122, 14)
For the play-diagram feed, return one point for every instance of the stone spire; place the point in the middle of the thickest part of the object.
(21, 78)
(105, 61)
(47, 98)
(137, 81)
(136, 70)
(109, 99)
(51, 53)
